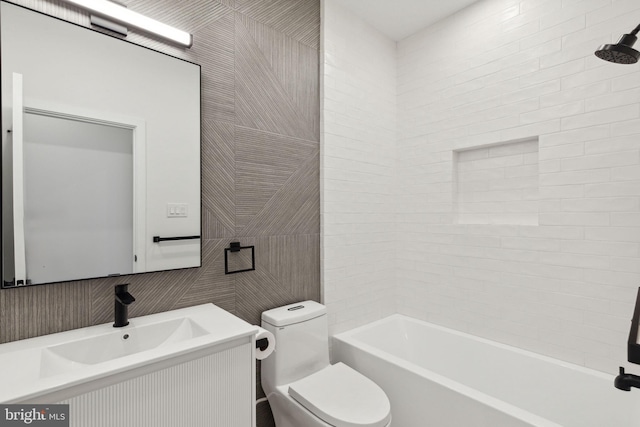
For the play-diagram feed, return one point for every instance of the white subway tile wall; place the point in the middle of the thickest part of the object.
(505, 69)
(497, 71)
(357, 170)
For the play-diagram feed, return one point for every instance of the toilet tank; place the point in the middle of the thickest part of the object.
(302, 343)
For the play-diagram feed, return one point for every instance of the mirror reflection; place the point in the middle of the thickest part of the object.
(100, 154)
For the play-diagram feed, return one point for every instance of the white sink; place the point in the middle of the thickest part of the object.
(119, 342)
(38, 367)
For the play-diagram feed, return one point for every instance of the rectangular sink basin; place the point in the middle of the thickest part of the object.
(119, 342)
(53, 367)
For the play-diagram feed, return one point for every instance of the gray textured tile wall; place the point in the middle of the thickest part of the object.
(260, 169)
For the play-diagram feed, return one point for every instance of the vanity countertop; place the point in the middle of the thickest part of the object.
(35, 370)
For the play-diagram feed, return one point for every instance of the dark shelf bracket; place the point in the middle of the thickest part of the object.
(233, 248)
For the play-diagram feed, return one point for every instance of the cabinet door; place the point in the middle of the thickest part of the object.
(213, 391)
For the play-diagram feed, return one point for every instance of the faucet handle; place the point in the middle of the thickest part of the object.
(621, 370)
(123, 295)
(125, 298)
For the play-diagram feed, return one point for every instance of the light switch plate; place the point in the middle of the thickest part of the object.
(177, 210)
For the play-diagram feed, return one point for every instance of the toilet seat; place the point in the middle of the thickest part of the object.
(342, 397)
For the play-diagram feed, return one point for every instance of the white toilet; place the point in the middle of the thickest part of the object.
(303, 389)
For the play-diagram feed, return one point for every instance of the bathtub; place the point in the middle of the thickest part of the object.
(438, 377)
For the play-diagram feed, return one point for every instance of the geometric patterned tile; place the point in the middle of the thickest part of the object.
(154, 292)
(294, 208)
(287, 271)
(264, 163)
(212, 285)
(189, 15)
(218, 179)
(163, 291)
(294, 64)
(213, 227)
(294, 261)
(262, 101)
(299, 19)
(257, 291)
(38, 310)
(47, 316)
(213, 49)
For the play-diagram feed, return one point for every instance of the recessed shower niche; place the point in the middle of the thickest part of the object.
(497, 183)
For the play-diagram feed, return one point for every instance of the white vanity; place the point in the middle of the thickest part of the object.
(192, 367)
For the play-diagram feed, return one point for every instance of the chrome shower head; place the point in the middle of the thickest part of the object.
(621, 52)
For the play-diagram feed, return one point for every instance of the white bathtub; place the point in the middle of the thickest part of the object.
(438, 377)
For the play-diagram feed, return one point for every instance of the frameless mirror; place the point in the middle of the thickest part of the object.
(100, 154)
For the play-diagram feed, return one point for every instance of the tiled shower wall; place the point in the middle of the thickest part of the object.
(498, 72)
(260, 168)
(503, 70)
(358, 169)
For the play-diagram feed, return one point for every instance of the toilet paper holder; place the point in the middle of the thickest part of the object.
(262, 344)
(265, 343)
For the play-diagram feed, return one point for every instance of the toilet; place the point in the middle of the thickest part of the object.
(303, 388)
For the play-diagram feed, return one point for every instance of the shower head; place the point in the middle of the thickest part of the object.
(621, 52)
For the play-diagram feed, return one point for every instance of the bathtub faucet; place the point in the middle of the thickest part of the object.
(626, 381)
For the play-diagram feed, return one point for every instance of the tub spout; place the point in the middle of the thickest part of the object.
(626, 381)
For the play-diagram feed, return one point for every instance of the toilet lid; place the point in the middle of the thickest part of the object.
(343, 397)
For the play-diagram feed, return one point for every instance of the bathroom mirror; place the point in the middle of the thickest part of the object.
(100, 154)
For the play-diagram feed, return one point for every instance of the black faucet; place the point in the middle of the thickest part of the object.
(626, 381)
(123, 299)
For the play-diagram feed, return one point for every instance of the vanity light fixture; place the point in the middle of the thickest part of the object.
(125, 16)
